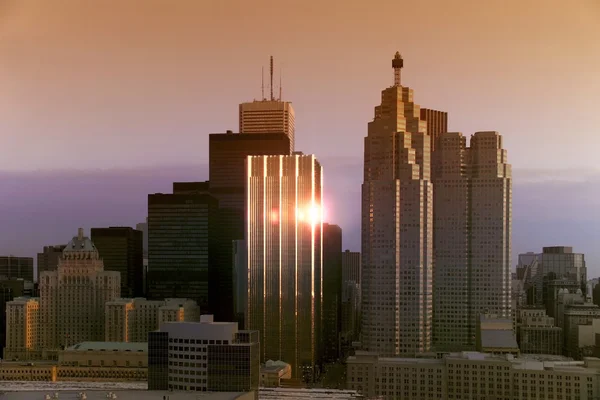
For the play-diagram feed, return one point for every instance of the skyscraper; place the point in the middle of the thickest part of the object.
(47, 260)
(351, 266)
(397, 200)
(182, 234)
(332, 291)
(271, 115)
(227, 174)
(121, 250)
(72, 298)
(472, 220)
(284, 248)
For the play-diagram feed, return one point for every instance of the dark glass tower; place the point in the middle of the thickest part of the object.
(227, 161)
(121, 249)
(332, 291)
(182, 236)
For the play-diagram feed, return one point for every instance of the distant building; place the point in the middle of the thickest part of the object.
(488, 376)
(22, 321)
(332, 291)
(182, 239)
(143, 227)
(580, 329)
(17, 267)
(47, 260)
(437, 124)
(496, 335)
(11, 289)
(273, 372)
(268, 116)
(130, 320)
(351, 266)
(537, 334)
(72, 298)
(284, 247)
(217, 356)
(121, 250)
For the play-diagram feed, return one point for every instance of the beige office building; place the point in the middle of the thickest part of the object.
(397, 230)
(72, 298)
(472, 236)
(130, 320)
(474, 376)
(536, 332)
(22, 316)
(284, 256)
(268, 116)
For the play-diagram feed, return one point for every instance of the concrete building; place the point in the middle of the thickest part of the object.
(11, 289)
(579, 341)
(127, 394)
(182, 238)
(332, 291)
(496, 335)
(22, 322)
(47, 260)
(351, 266)
(17, 267)
(284, 247)
(472, 236)
(72, 298)
(397, 226)
(200, 356)
(537, 334)
(473, 375)
(273, 372)
(130, 320)
(121, 250)
(227, 174)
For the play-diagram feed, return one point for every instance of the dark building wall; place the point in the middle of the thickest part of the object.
(121, 249)
(47, 260)
(158, 361)
(17, 267)
(227, 176)
(182, 237)
(437, 123)
(332, 291)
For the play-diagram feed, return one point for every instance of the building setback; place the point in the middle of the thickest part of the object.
(284, 248)
(472, 236)
(16, 267)
(182, 238)
(121, 250)
(332, 291)
(227, 174)
(397, 200)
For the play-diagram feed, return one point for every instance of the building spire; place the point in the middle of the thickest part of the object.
(272, 98)
(397, 64)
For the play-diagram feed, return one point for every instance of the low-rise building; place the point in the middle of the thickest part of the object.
(496, 335)
(203, 356)
(273, 372)
(536, 332)
(474, 375)
(22, 317)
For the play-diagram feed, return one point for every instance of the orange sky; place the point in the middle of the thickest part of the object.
(111, 83)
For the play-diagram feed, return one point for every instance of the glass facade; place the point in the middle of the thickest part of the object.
(284, 247)
(158, 361)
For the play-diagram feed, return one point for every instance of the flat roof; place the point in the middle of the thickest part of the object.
(121, 395)
(110, 346)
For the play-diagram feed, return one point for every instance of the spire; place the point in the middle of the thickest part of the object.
(272, 98)
(397, 64)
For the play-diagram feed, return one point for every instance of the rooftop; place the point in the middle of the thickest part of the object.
(110, 346)
(291, 394)
(498, 339)
(121, 395)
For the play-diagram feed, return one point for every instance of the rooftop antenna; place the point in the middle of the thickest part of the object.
(397, 64)
(280, 90)
(262, 83)
(272, 98)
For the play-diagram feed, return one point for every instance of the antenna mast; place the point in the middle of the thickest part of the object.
(280, 90)
(262, 83)
(272, 98)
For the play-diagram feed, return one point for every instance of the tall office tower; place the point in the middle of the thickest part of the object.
(182, 234)
(143, 227)
(240, 281)
(17, 267)
(284, 247)
(72, 298)
(397, 198)
(121, 250)
(472, 236)
(332, 291)
(351, 266)
(47, 260)
(227, 173)
(222, 358)
(271, 115)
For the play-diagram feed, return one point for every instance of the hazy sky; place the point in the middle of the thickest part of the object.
(116, 84)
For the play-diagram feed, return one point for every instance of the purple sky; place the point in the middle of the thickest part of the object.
(129, 90)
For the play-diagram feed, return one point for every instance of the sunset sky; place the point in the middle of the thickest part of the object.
(121, 84)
